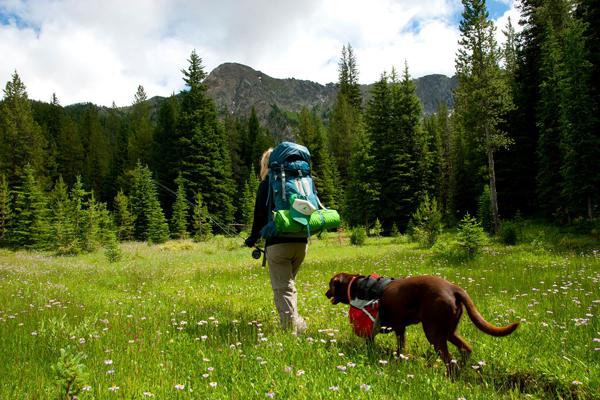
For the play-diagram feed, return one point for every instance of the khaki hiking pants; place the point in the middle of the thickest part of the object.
(284, 261)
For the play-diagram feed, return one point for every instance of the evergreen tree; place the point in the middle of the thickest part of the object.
(150, 222)
(236, 135)
(248, 198)
(92, 233)
(70, 156)
(62, 229)
(165, 161)
(510, 50)
(516, 172)
(78, 200)
(580, 142)
(362, 195)
(30, 223)
(139, 147)
(444, 140)
(426, 221)
(346, 113)
(47, 116)
(348, 78)
(256, 143)
(5, 209)
(393, 120)
(514, 176)
(588, 145)
(202, 146)
(201, 221)
(179, 218)
(484, 212)
(311, 133)
(96, 149)
(549, 157)
(21, 140)
(482, 97)
(116, 131)
(406, 177)
(124, 218)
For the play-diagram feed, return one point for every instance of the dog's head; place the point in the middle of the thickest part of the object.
(338, 288)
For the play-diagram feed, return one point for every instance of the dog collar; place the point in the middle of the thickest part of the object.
(349, 288)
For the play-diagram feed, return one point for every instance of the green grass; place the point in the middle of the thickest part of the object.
(195, 314)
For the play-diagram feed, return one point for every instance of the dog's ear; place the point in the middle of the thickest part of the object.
(337, 281)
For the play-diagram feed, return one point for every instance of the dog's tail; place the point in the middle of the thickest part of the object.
(478, 320)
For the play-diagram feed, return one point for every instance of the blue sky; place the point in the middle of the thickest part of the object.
(101, 50)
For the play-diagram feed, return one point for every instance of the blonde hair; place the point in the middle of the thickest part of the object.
(264, 163)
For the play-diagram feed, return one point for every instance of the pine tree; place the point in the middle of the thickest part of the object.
(179, 218)
(346, 113)
(362, 196)
(588, 145)
(201, 221)
(150, 222)
(549, 157)
(405, 180)
(580, 143)
(516, 172)
(248, 198)
(30, 223)
(70, 156)
(311, 133)
(124, 218)
(484, 212)
(139, 147)
(21, 140)
(115, 128)
(5, 209)
(482, 97)
(165, 160)
(202, 146)
(91, 238)
(348, 78)
(256, 141)
(62, 230)
(237, 139)
(443, 125)
(78, 200)
(97, 153)
(393, 121)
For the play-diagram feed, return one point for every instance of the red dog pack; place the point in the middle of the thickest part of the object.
(363, 314)
(364, 303)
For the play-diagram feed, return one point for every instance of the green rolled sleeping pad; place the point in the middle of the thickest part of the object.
(320, 220)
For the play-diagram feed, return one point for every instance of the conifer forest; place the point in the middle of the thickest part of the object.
(522, 140)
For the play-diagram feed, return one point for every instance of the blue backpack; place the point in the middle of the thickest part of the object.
(290, 184)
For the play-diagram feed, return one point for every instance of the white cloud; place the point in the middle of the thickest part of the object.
(101, 50)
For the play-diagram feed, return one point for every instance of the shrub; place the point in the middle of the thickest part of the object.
(508, 233)
(377, 229)
(394, 232)
(358, 236)
(426, 222)
(70, 375)
(471, 236)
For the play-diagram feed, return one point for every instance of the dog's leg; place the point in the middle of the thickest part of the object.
(441, 346)
(438, 340)
(400, 334)
(465, 349)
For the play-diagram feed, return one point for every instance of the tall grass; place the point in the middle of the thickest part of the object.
(196, 320)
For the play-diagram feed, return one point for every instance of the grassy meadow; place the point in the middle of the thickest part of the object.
(189, 320)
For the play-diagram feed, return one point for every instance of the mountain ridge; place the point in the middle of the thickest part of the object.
(237, 88)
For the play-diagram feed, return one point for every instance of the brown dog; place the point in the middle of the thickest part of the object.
(431, 300)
